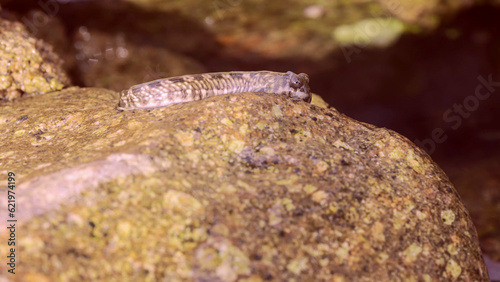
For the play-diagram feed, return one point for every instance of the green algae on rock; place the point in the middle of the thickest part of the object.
(239, 187)
(27, 65)
(389, 30)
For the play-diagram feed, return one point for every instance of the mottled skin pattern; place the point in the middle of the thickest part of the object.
(181, 89)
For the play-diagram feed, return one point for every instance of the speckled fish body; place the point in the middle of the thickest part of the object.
(182, 89)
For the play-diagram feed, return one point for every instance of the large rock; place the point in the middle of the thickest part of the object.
(27, 64)
(250, 186)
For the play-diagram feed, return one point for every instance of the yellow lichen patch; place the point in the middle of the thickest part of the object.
(38, 277)
(288, 181)
(321, 166)
(316, 251)
(134, 125)
(120, 143)
(453, 269)
(319, 197)
(318, 101)
(219, 230)
(267, 151)
(382, 258)
(253, 278)
(55, 84)
(42, 140)
(275, 218)
(309, 188)
(397, 153)
(380, 144)
(411, 253)
(415, 162)
(410, 278)
(227, 189)
(243, 129)
(452, 249)
(342, 252)
(378, 231)
(236, 145)
(324, 262)
(5, 81)
(223, 259)
(440, 261)
(226, 122)
(262, 223)
(333, 208)
(34, 243)
(421, 215)
(40, 166)
(19, 133)
(276, 111)
(250, 189)
(338, 278)
(340, 144)
(276, 213)
(294, 188)
(426, 250)
(261, 125)
(186, 183)
(288, 204)
(124, 228)
(186, 139)
(399, 219)
(296, 266)
(181, 202)
(194, 156)
(448, 217)
(115, 134)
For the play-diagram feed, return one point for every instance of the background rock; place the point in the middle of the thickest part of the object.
(249, 186)
(27, 65)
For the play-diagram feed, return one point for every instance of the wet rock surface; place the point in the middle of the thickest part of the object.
(249, 186)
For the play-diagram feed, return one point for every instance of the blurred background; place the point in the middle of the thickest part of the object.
(429, 70)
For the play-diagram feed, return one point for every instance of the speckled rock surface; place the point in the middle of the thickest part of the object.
(248, 187)
(27, 64)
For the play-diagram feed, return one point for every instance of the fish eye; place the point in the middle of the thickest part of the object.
(295, 82)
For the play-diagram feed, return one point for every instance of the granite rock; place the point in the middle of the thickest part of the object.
(246, 187)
